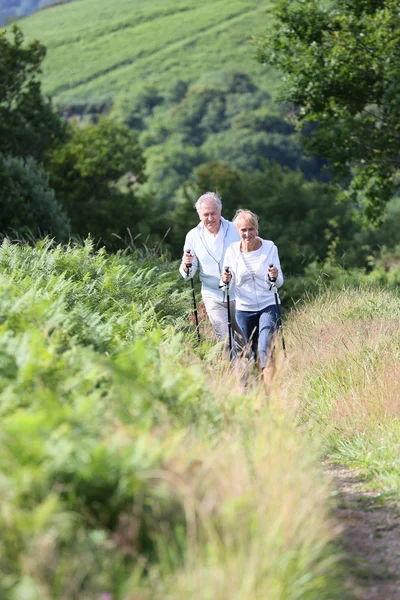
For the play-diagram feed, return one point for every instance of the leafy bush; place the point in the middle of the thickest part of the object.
(134, 109)
(29, 125)
(27, 202)
(85, 172)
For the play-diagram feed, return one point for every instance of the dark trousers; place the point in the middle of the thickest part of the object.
(258, 330)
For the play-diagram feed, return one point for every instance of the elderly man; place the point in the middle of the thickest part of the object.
(204, 249)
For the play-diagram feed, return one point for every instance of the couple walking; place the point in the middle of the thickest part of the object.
(253, 264)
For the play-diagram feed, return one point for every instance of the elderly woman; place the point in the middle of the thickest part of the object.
(253, 265)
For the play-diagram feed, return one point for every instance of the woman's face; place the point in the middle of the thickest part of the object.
(247, 230)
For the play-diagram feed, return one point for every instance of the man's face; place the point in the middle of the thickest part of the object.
(210, 216)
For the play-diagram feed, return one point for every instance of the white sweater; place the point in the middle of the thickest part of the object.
(209, 265)
(254, 290)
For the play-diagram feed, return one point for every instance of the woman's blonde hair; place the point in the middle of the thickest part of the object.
(246, 214)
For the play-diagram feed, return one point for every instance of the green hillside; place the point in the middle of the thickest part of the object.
(14, 9)
(97, 49)
(182, 74)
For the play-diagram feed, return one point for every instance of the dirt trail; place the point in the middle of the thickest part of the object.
(371, 534)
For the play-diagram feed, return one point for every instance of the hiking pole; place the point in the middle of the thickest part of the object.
(188, 267)
(278, 310)
(226, 269)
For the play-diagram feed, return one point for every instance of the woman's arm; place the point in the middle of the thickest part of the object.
(229, 263)
(276, 262)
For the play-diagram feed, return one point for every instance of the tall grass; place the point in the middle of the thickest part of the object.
(133, 465)
(345, 370)
(136, 465)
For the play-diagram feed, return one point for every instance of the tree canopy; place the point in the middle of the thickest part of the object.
(85, 172)
(341, 73)
(27, 202)
(29, 126)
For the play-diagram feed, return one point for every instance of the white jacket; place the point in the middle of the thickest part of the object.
(210, 266)
(254, 292)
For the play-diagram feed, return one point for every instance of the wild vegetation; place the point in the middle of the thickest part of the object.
(340, 61)
(133, 177)
(135, 464)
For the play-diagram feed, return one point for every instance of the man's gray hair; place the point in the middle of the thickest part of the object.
(209, 196)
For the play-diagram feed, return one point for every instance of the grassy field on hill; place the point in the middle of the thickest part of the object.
(182, 74)
(135, 465)
(97, 48)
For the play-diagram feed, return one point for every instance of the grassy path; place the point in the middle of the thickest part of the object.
(344, 365)
(371, 537)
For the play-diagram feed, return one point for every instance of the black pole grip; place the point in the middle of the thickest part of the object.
(188, 267)
(272, 279)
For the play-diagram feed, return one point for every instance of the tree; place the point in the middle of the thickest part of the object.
(28, 124)
(301, 217)
(27, 202)
(85, 173)
(341, 72)
(134, 109)
(170, 164)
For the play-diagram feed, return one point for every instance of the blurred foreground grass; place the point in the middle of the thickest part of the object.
(135, 466)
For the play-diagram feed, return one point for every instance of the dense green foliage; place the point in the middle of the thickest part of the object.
(222, 117)
(27, 202)
(63, 315)
(29, 126)
(341, 71)
(109, 427)
(85, 171)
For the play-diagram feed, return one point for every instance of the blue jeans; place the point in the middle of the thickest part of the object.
(258, 330)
